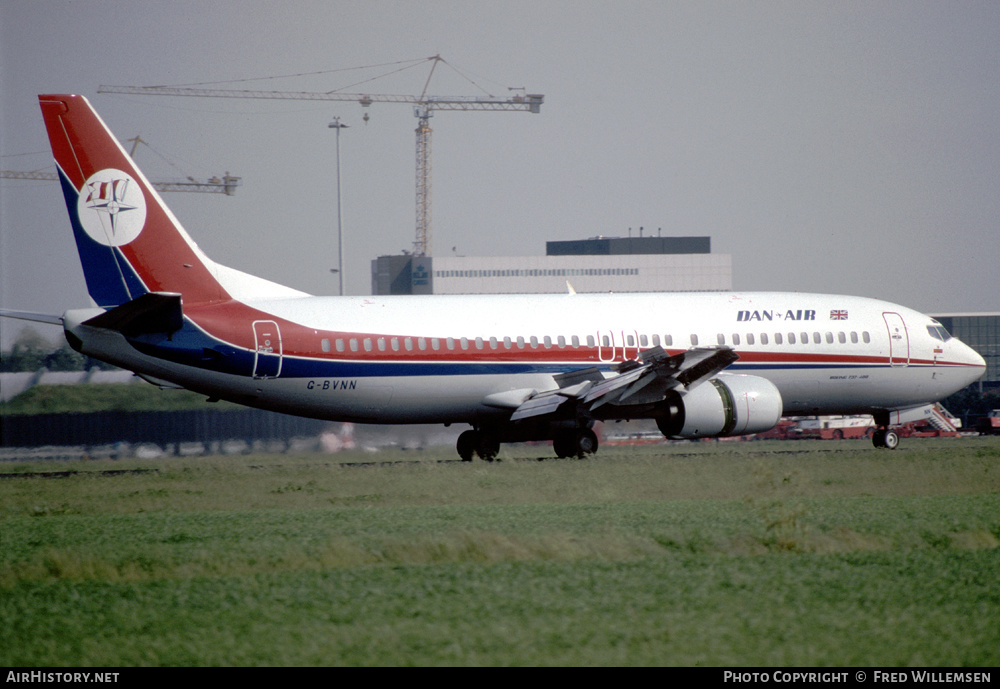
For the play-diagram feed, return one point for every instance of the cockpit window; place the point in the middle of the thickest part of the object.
(939, 332)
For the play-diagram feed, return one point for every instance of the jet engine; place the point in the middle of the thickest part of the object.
(729, 404)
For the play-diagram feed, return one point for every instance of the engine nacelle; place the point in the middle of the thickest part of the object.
(729, 404)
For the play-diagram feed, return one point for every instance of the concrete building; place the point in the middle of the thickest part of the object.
(600, 264)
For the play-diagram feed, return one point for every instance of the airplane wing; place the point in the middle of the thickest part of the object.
(637, 381)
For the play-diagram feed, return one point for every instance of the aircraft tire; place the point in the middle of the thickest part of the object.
(488, 447)
(886, 438)
(564, 445)
(891, 440)
(586, 443)
(467, 442)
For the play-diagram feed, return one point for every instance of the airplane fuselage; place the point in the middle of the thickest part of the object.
(436, 358)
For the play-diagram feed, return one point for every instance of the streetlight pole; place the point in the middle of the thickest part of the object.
(336, 124)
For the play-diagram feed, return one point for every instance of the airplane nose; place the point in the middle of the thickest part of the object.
(976, 364)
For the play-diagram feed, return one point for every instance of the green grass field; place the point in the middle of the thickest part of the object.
(768, 553)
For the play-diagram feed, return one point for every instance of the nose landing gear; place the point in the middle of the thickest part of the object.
(886, 438)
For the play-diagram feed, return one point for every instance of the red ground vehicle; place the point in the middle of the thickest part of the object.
(989, 424)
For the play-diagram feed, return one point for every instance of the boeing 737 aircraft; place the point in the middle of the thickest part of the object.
(514, 367)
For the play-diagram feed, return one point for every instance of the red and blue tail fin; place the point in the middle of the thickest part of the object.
(130, 243)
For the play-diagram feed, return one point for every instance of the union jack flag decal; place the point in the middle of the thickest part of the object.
(838, 315)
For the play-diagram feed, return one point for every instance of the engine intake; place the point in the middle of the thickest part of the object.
(729, 404)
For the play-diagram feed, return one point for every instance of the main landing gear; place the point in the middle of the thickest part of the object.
(566, 443)
(886, 437)
(579, 443)
(485, 445)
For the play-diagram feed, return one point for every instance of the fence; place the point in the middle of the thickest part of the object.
(157, 427)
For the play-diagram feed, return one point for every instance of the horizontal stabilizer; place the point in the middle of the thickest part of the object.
(30, 316)
(152, 313)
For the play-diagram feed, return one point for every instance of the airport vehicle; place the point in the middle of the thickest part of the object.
(514, 367)
(989, 424)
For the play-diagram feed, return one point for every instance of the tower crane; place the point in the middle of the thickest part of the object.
(214, 185)
(424, 106)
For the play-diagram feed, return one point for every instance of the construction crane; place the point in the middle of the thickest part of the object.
(214, 185)
(423, 109)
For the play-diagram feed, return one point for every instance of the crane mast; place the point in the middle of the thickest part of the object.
(424, 107)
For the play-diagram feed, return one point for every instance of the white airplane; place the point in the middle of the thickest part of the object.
(514, 367)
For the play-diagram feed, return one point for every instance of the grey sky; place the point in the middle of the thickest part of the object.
(831, 147)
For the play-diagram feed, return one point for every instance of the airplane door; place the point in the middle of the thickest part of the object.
(267, 357)
(899, 341)
(606, 345)
(630, 344)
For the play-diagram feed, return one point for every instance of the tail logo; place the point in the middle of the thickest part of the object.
(111, 208)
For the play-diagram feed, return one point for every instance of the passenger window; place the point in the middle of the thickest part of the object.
(854, 337)
(694, 340)
(506, 343)
(777, 338)
(340, 345)
(465, 342)
(750, 340)
(408, 344)
(668, 340)
(561, 340)
(395, 344)
(630, 340)
(368, 344)
(381, 344)
(763, 338)
(354, 344)
(575, 340)
(605, 340)
(791, 338)
(736, 339)
(805, 338)
(547, 342)
(435, 343)
(829, 338)
(816, 338)
(590, 341)
(656, 340)
(842, 338)
(421, 343)
(520, 342)
(865, 337)
(534, 342)
(325, 344)
(493, 343)
(643, 341)
(449, 342)
(720, 338)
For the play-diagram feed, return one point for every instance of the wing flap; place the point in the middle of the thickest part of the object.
(640, 380)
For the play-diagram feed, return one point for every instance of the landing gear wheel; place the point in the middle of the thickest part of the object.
(564, 445)
(586, 443)
(467, 445)
(887, 438)
(488, 447)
